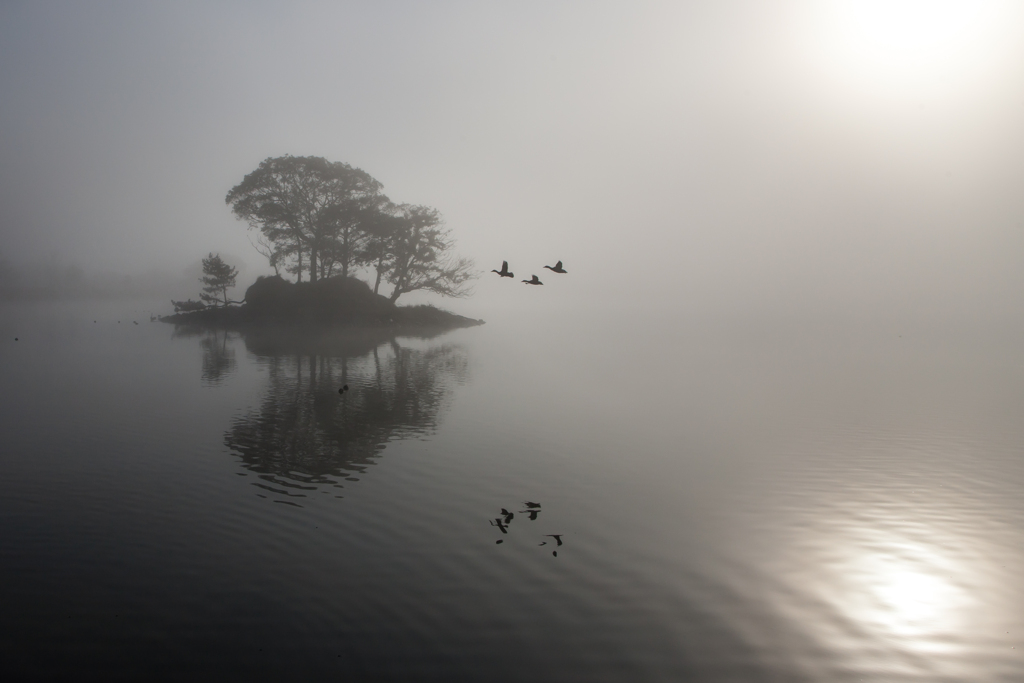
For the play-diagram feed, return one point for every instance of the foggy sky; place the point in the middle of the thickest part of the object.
(734, 155)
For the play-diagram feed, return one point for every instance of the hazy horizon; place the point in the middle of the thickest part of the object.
(795, 158)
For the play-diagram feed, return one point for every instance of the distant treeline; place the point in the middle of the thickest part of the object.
(71, 281)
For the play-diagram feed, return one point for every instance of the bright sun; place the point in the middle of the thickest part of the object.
(911, 29)
(896, 40)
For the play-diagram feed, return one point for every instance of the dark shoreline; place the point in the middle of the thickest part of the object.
(411, 318)
(331, 305)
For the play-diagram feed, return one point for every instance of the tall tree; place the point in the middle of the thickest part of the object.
(217, 278)
(420, 259)
(382, 229)
(306, 206)
(348, 226)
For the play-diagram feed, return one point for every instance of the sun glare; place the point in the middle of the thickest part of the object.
(911, 29)
(910, 597)
(910, 591)
(893, 41)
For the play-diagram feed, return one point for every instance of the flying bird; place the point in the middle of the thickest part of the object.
(508, 515)
(557, 537)
(501, 526)
(531, 505)
(558, 268)
(534, 281)
(504, 272)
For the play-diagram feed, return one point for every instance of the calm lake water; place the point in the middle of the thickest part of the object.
(687, 500)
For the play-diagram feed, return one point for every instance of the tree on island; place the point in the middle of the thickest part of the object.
(307, 207)
(217, 278)
(319, 217)
(417, 256)
(382, 230)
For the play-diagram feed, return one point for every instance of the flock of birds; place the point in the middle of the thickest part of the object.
(505, 272)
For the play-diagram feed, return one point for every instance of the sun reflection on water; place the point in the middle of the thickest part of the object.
(908, 590)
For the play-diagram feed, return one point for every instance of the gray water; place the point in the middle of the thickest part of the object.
(714, 500)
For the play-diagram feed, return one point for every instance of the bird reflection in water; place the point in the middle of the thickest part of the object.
(533, 510)
(304, 437)
(558, 539)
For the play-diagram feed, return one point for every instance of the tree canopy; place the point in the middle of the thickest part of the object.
(418, 255)
(307, 208)
(322, 218)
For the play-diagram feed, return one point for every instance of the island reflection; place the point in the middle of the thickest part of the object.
(305, 435)
(218, 355)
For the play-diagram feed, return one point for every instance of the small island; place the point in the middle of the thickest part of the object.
(334, 302)
(325, 221)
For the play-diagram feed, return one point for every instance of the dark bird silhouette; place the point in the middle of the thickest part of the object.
(135, 322)
(508, 515)
(343, 389)
(497, 522)
(558, 268)
(504, 272)
(531, 505)
(534, 281)
(557, 537)
(533, 514)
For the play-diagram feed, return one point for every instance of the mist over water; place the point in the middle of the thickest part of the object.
(730, 501)
(766, 427)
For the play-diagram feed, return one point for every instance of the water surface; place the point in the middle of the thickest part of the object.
(714, 501)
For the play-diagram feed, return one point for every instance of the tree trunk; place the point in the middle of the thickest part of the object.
(312, 264)
(346, 253)
(379, 268)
